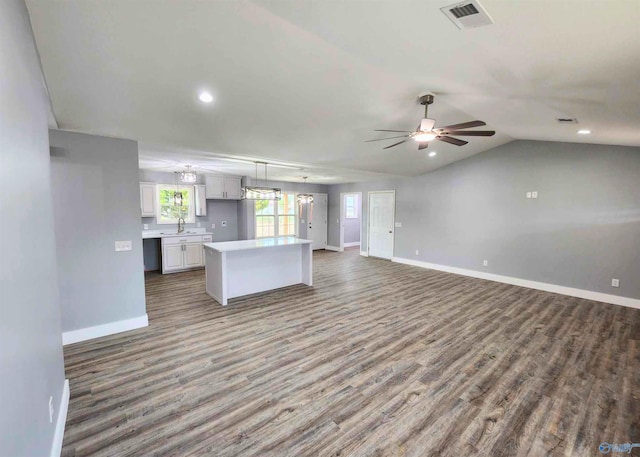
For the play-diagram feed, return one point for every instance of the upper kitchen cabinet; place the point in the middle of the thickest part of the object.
(223, 187)
(147, 199)
(201, 202)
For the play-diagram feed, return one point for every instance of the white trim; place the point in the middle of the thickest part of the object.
(580, 293)
(364, 253)
(393, 223)
(350, 245)
(56, 446)
(333, 248)
(88, 333)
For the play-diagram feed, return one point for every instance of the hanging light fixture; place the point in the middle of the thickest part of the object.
(188, 175)
(261, 192)
(177, 195)
(305, 198)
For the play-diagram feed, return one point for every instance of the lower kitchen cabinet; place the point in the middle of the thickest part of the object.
(181, 253)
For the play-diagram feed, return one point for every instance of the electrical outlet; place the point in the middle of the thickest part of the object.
(417, 252)
(213, 225)
(528, 194)
(223, 223)
(145, 226)
(50, 409)
(398, 224)
(534, 194)
(615, 282)
(485, 263)
(123, 246)
(198, 225)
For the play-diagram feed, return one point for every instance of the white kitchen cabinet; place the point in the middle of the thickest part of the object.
(201, 200)
(182, 252)
(147, 199)
(223, 187)
(192, 255)
(232, 188)
(172, 258)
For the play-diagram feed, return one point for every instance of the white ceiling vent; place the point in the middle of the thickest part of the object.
(467, 15)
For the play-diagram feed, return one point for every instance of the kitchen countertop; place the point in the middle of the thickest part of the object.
(148, 234)
(226, 246)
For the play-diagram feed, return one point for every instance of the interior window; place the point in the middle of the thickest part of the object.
(175, 202)
(276, 218)
(351, 208)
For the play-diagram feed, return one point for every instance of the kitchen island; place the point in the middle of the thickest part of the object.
(237, 268)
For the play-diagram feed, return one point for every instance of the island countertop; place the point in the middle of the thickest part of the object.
(241, 245)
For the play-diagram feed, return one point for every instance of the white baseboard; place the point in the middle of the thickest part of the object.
(364, 253)
(350, 245)
(89, 333)
(580, 293)
(56, 447)
(334, 248)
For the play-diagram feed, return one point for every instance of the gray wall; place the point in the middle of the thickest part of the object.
(31, 363)
(583, 229)
(352, 226)
(96, 202)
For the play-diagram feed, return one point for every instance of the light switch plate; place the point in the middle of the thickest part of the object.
(485, 263)
(528, 194)
(123, 246)
(534, 194)
(615, 282)
(213, 226)
(145, 227)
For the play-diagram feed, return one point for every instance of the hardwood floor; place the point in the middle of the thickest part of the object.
(377, 359)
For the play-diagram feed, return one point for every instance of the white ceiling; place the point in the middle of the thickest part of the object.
(304, 83)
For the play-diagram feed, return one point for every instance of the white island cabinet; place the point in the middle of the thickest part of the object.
(237, 268)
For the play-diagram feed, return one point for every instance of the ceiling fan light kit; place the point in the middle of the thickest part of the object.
(426, 131)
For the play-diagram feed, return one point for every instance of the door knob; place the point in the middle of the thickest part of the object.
(390, 231)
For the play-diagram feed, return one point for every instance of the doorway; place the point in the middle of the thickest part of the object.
(317, 222)
(350, 219)
(382, 206)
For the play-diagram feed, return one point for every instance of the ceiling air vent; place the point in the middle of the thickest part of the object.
(567, 120)
(467, 15)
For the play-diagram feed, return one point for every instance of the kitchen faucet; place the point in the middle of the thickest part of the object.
(180, 225)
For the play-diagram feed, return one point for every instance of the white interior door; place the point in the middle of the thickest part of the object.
(381, 220)
(317, 222)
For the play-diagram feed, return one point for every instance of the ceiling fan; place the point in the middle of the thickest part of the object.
(425, 131)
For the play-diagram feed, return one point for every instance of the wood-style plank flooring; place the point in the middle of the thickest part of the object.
(377, 359)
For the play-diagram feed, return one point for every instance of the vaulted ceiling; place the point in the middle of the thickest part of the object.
(304, 83)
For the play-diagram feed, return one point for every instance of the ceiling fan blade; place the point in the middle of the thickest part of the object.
(472, 132)
(422, 146)
(464, 125)
(396, 144)
(390, 138)
(426, 124)
(451, 140)
(397, 131)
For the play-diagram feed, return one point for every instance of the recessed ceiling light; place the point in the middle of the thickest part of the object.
(584, 132)
(205, 97)
(432, 154)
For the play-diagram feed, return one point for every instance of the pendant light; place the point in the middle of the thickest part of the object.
(305, 198)
(261, 192)
(189, 175)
